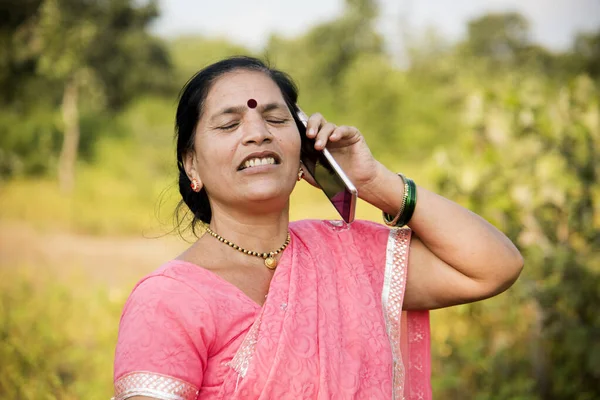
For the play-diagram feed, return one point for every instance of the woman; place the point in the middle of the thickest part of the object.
(264, 308)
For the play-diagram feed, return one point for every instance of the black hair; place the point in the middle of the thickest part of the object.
(189, 111)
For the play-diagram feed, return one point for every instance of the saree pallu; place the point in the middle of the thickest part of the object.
(332, 326)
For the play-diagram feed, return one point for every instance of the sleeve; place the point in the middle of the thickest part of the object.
(164, 335)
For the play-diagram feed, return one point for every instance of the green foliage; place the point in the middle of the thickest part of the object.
(17, 58)
(586, 55)
(28, 143)
(501, 43)
(127, 186)
(319, 59)
(55, 49)
(482, 351)
(107, 41)
(55, 337)
(498, 37)
(190, 54)
(532, 170)
(362, 80)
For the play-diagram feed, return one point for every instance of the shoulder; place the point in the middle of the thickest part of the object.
(173, 275)
(175, 286)
(163, 307)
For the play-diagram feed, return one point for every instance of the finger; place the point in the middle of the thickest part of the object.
(342, 132)
(323, 135)
(315, 122)
(344, 136)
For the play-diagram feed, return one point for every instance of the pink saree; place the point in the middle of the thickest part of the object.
(332, 326)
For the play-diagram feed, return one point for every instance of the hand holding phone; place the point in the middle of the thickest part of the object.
(327, 173)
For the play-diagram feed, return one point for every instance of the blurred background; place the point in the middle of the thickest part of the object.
(493, 104)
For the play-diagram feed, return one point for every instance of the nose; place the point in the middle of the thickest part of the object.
(256, 130)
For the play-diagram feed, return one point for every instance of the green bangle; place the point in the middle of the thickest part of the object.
(407, 208)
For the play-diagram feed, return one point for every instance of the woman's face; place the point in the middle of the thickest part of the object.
(245, 150)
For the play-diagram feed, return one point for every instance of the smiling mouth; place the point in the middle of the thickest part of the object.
(258, 161)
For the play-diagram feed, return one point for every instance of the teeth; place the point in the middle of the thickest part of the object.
(253, 162)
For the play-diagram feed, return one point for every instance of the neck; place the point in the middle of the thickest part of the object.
(264, 232)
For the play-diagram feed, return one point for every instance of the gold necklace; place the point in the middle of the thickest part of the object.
(270, 261)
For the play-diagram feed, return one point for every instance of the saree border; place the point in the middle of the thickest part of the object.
(418, 384)
(151, 384)
(392, 296)
(242, 358)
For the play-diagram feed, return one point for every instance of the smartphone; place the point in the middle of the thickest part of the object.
(328, 174)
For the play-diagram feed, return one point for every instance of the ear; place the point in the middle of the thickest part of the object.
(190, 166)
(308, 177)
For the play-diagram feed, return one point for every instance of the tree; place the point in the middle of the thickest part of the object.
(586, 54)
(498, 37)
(101, 46)
(17, 58)
(28, 134)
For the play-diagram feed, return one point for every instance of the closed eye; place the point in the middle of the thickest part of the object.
(277, 121)
(228, 127)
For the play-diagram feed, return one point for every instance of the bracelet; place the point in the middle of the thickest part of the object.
(387, 218)
(407, 208)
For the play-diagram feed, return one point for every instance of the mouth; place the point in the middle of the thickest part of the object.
(259, 159)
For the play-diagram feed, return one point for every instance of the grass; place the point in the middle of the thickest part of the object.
(57, 336)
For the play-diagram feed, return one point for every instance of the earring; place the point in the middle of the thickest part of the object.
(195, 185)
(300, 174)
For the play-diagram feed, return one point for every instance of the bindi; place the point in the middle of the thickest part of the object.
(252, 103)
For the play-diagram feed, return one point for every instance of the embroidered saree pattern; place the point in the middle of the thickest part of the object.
(392, 296)
(153, 385)
(418, 354)
(408, 331)
(242, 358)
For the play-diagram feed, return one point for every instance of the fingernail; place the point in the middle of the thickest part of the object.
(311, 131)
(319, 143)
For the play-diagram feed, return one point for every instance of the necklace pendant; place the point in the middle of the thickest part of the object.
(270, 262)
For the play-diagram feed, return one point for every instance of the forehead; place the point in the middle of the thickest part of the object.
(237, 87)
